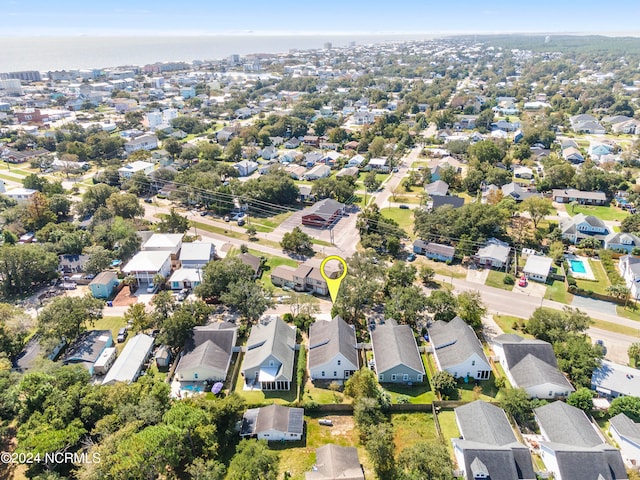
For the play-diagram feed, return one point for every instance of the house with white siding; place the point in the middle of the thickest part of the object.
(332, 350)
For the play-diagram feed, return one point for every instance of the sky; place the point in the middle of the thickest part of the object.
(28, 18)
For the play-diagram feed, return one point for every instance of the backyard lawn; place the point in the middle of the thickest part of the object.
(603, 213)
(404, 217)
(601, 282)
(418, 393)
(505, 322)
(557, 291)
(448, 427)
(411, 428)
(495, 279)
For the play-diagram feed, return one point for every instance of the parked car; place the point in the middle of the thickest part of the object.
(148, 200)
(122, 335)
(183, 294)
(523, 281)
(404, 207)
(241, 222)
(601, 344)
(227, 218)
(151, 288)
(203, 213)
(411, 257)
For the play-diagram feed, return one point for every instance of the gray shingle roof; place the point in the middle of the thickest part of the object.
(532, 371)
(485, 423)
(626, 427)
(334, 462)
(602, 462)
(395, 345)
(516, 348)
(273, 417)
(271, 336)
(567, 425)
(509, 462)
(328, 338)
(325, 208)
(454, 342)
(88, 346)
(210, 346)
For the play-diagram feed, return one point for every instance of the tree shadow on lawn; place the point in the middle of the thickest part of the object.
(464, 391)
(415, 390)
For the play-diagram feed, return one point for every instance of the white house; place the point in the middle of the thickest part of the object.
(132, 168)
(332, 350)
(523, 172)
(494, 254)
(379, 164)
(537, 268)
(164, 242)
(146, 264)
(20, 195)
(185, 278)
(531, 364)
(318, 171)
(612, 380)
(457, 350)
(129, 364)
(147, 141)
(582, 226)
(626, 434)
(355, 161)
(273, 423)
(245, 167)
(630, 270)
(196, 254)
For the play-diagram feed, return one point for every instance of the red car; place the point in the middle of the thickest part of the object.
(523, 281)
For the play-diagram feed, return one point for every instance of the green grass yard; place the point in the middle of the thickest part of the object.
(418, 393)
(411, 428)
(495, 279)
(557, 291)
(404, 217)
(448, 427)
(506, 322)
(600, 284)
(602, 212)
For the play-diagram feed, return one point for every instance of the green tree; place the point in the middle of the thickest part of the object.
(442, 304)
(516, 402)
(218, 276)
(99, 259)
(95, 197)
(173, 222)
(377, 147)
(554, 326)
(23, 267)
(67, 317)
(400, 274)
(484, 120)
(634, 352)
(362, 383)
(253, 460)
(233, 150)
(172, 146)
(137, 316)
(371, 181)
(380, 447)
(297, 242)
(362, 283)
(486, 151)
(444, 383)
(630, 406)
(248, 298)
(537, 207)
(582, 399)
(125, 205)
(578, 358)
(471, 309)
(426, 274)
(425, 461)
(13, 329)
(406, 305)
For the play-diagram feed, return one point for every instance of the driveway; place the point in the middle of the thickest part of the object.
(533, 289)
(477, 276)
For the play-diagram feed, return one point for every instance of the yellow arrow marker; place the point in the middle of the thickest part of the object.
(333, 283)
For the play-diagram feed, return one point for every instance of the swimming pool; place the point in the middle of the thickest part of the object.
(578, 266)
(193, 388)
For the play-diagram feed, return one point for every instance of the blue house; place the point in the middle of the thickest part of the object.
(621, 241)
(103, 285)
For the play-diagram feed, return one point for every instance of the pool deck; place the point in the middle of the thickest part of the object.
(588, 274)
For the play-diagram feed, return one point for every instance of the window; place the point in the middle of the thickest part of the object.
(419, 377)
(195, 375)
(339, 362)
(271, 363)
(335, 374)
(551, 393)
(322, 374)
(393, 377)
(381, 377)
(405, 378)
(473, 362)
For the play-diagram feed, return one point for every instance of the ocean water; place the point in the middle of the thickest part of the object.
(57, 53)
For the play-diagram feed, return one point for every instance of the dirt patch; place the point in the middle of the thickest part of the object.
(124, 299)
(342, 425)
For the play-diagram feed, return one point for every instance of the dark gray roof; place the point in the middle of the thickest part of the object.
(210, 345)
(602, 462)
(509, 462)
(485, 423)
(88, 346)
(273, 417)
(251, 260)
(440, 249)
(438, 187)
(334, 462)
(395, 345)
(271, 336)
(324, 208)
(573, 193)
(454, 342)
(567, 425)
(626, 427)
(517, 192)
(531, 371)
(441, 200)
(516, 348)
(328, 338)
(620, 237)
(104, 278)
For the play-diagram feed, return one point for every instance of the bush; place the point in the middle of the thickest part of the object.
(402, 399)
(499, 382)
(509, 280)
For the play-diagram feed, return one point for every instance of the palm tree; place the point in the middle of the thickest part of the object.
(159, 279)
(634, 352)
(130, 281)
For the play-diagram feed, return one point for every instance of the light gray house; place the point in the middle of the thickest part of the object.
(495, 254)
(573, 448)
(332, 350)
(207, 354)
(273, 423)
(537, 268)
(621, 241)
(396, 355)
(268, 362)
(583, 226)
(487, 447)
(197, 254)
(245, 167)
(438, 187)
(531, 364)
(626, 434)
(613, 380)
(568, 195)
(334, 462)
(87, 348)
(457, 350)
(129, 364)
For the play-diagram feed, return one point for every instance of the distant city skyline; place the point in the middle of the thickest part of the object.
(25, 18)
